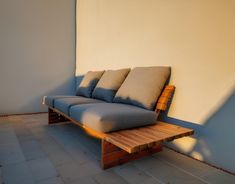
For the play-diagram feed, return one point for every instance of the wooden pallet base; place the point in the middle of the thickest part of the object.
(127, 145)
(113, 155)
(54, 117)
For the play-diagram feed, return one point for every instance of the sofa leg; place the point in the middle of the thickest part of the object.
(113, 155)
(54, 117)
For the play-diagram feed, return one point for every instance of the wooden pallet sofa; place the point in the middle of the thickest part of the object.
(121, 108)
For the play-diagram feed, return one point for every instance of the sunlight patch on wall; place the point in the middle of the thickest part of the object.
(185, 144)
(195, 38)
(197, 155)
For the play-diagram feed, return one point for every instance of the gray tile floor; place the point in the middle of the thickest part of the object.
(33, 152)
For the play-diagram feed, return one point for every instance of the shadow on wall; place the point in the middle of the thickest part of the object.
(78, 80)
(65, 88)
(213, 141)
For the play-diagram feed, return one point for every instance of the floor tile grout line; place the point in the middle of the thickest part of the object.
(181, 169)
(62, 147)
(45, 179)
(142, 170)
(20, 145)
(148, 173)
(26, 161)
(92, 153)
(54, 167)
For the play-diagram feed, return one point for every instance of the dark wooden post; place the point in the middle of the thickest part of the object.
(54, 117)
(113, 155)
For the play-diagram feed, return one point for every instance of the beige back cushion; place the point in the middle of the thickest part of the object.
(88, 83)
(109, 83)
(142, 86)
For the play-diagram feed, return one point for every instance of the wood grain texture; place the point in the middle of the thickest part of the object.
(113, 155)
(135, 140)
(165, 97)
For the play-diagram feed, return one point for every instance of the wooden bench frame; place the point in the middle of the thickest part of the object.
(126, 145)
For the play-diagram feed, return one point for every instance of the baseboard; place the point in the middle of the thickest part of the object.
(20, 114)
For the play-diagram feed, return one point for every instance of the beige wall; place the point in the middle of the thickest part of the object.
(37, 52)
(195, 37)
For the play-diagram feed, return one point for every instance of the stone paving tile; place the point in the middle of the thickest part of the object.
(85, 180)
(56, 180)
(38, 130)
(183, 162)
(72, 171)
(7, 136)
(17, 173)
(32, 149)
(218, 177)
(23, 133)
(60, 158)
(48, 144)
(79, 155)
(77, 147)
(67, 155)
(107, 177)
(133, 175)
(199, 169)
(55, 151)
(166, 173)
(69, 171)
(65, 138)
(11, 154)
(42, 169)
(1, 179)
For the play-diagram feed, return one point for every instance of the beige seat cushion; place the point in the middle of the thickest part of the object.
(64, 104)
(88, 83)
(142, 86)
(109, 83)
(109, 117)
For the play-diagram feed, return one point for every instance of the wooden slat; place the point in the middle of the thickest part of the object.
(165, 97)
(138, 139)
(125, 139)
(171, 134)
(159, 135)
(119, 142)
(170, 129)
(141, 142)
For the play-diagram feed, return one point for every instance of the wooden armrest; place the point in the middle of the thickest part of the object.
(165, 97)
